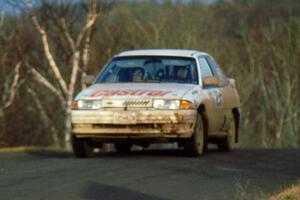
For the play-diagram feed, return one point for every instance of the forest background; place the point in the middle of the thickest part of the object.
(48, 47)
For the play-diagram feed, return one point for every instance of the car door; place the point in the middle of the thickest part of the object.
(214, 99)
(226, 91)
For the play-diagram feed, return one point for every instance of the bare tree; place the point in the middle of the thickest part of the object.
(274, 83)
(280, 90)
(151, 31)
(44, 118)
(9, 94)
(80, 48)
(10, 79)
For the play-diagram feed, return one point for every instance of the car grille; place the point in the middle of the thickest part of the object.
(127, 103)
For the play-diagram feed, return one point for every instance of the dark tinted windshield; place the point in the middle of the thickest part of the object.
(150, 69)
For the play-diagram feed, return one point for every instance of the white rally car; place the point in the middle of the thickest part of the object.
(157, 96)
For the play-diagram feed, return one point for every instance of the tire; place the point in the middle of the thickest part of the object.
(226, 144)
(123, 147)
(81, 148)
(197, 144)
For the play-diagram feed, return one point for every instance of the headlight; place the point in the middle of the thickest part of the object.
(86, 105)
(172, 104)
(166, 104)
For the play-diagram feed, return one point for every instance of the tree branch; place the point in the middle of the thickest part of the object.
(75, 68)
(44, 117)
(47, 51)
(86, 56)
(144, 31)
(42, 80)
(13, 88)
(1, 19)
(67, 34)
(91, 19)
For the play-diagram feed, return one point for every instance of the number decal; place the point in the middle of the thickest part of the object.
(218, 98)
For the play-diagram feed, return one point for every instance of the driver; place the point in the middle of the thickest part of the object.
(137, 74)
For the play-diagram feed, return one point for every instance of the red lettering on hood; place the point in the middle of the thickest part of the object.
(100, 93)
(119, 93)
(157, 93)
(106, 93)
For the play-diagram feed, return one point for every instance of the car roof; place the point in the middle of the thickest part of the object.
(161, 52)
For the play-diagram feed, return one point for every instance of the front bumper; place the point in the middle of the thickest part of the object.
(133, 123)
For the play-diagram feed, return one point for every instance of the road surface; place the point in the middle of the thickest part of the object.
(152, 174)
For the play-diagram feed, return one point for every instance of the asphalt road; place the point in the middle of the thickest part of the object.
(153, 174)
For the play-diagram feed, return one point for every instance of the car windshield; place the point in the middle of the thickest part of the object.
(150, 69)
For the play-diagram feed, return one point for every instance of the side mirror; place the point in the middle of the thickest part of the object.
(211, 81)
(88, 79)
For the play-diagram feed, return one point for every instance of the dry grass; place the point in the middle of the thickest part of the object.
(30, 149)
(292, 193)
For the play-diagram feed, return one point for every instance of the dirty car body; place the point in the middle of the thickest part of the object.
(149, 96)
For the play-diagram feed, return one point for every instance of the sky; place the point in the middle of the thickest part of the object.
(6, 7)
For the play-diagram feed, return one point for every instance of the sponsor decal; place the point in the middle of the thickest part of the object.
(107, 93)
(218, 98)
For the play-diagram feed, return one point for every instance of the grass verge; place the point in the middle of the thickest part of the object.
(30, 149)
(291, 193)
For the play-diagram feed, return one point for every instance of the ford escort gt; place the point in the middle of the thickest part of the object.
(157, 96)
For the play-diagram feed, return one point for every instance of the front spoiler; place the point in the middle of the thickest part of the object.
(133, 123)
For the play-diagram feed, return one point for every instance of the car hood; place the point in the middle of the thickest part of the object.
(135, 91)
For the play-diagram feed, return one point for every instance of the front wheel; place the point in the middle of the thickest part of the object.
(197, 144)
(226, 144)
(81, 148)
